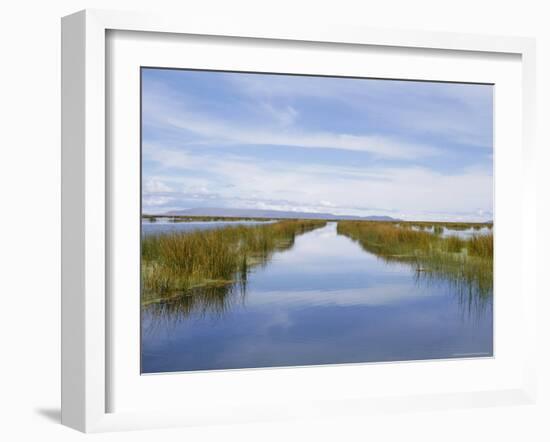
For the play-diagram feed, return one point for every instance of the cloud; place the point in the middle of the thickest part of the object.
(153, 185)
(155, 201)
(249, 183)
(220, 133)
(207, 129)
(284, 116)
(462, 113)
(362, 147)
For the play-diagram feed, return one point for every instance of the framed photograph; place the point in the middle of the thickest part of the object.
(293, 220)
(269, 223)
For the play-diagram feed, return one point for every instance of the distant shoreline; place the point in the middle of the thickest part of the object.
(418, 224)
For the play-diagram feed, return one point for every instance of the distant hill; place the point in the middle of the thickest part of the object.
(258, 213)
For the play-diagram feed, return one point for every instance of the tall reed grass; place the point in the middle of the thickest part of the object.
(178, 263)
(445, 224)
(468, 261)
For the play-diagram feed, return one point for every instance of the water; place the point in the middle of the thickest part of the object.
(466, 233)
(461, 233)
(166, 225)
(324, 301)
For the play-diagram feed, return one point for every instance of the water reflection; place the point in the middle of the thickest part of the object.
(323, 300)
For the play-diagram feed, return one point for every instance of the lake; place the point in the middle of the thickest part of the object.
(166, 225)
(462, 233)
(322, 301)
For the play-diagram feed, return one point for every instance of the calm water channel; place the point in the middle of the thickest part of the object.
(323, 301)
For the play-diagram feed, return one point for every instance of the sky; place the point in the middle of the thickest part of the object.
(348, 146)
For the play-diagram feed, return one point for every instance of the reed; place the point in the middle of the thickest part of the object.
(453, 244)
(468, 261)
(481, 246)
(179, 263)
(439, 225)
(197, 218)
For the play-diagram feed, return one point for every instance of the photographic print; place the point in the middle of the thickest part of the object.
(295, 220)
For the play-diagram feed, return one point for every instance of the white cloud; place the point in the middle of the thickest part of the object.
(200, 178)
(156, 201)
(162, 112)
(153, 185)
(224, 133)
(460, 112)
(341, 190)
(284, 116)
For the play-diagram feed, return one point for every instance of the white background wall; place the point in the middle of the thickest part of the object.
(30, 221)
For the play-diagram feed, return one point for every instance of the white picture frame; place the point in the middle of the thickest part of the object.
(86, 206)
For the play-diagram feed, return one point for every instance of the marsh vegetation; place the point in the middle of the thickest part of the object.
(466, 262)
(199, 269)
(180, 264)
(200, 218)
(439, 225)
(307, 295)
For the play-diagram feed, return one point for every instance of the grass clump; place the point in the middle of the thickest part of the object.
(453, 244)
(178, 263)
(481, 246)
(463, 261)
(438, 226)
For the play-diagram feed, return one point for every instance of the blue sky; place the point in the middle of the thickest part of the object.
(413, 150)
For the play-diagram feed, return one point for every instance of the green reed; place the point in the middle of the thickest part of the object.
(179, 263)
(462, 261)
(481, 246)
